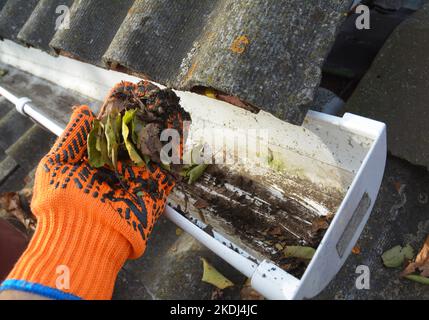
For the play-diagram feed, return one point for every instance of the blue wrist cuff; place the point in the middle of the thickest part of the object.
(37, 288)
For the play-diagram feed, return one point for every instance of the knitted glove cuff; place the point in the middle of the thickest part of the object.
(71, 255)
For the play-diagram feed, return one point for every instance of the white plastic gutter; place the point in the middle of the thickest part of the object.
(266, 278)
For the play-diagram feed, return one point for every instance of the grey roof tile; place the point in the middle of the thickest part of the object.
(396, 89)
(266, 53)
(93, 24)
(42, 24)
(13, 16)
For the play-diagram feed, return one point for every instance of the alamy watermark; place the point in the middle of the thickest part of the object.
(363, 280)
(221, 146)
(62, 281)
(63, 19)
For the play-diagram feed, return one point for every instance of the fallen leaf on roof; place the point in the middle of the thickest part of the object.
(248, 293)
(421, 264)
(178, 231)
(11, 203)
(214, 277)
(395, 257)
(3, 72)
(299, 252)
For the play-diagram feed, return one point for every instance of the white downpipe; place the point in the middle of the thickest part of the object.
(266, 278)
(50, 125)
(24, 107)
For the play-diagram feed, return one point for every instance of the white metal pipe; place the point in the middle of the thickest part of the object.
(242, 264)
(50, 125)
(23, 106)
(9, 96)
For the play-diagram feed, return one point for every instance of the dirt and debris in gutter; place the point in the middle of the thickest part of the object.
(253, 215)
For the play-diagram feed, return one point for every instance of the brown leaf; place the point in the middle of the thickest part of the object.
(148, 141)
(201, 204)
(421, 264)
(275, 231)
(237, 102)
(11, 202)
(318, 224)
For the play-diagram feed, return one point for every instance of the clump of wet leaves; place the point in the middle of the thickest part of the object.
(129, 126)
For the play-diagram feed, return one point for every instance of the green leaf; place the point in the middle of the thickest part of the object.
(395, 257)
(96, 149)
(299, 252)
(165, 166)
(112, 132)
(126, 120)
(196, 172)
(408, 252)
(137, 126)
(214, 277)
(417, 278)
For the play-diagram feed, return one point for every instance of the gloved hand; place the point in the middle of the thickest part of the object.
(89, 220)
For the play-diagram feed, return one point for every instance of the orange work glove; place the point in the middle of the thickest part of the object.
(90, 221)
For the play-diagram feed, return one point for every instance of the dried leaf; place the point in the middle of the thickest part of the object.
(148, 141)
(214, 277)
(318, 224)
(299, 252)
(421, 264)
(201, 204)
(275, 231)
(396, 256)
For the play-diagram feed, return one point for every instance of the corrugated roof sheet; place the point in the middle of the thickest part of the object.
(266, 53)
